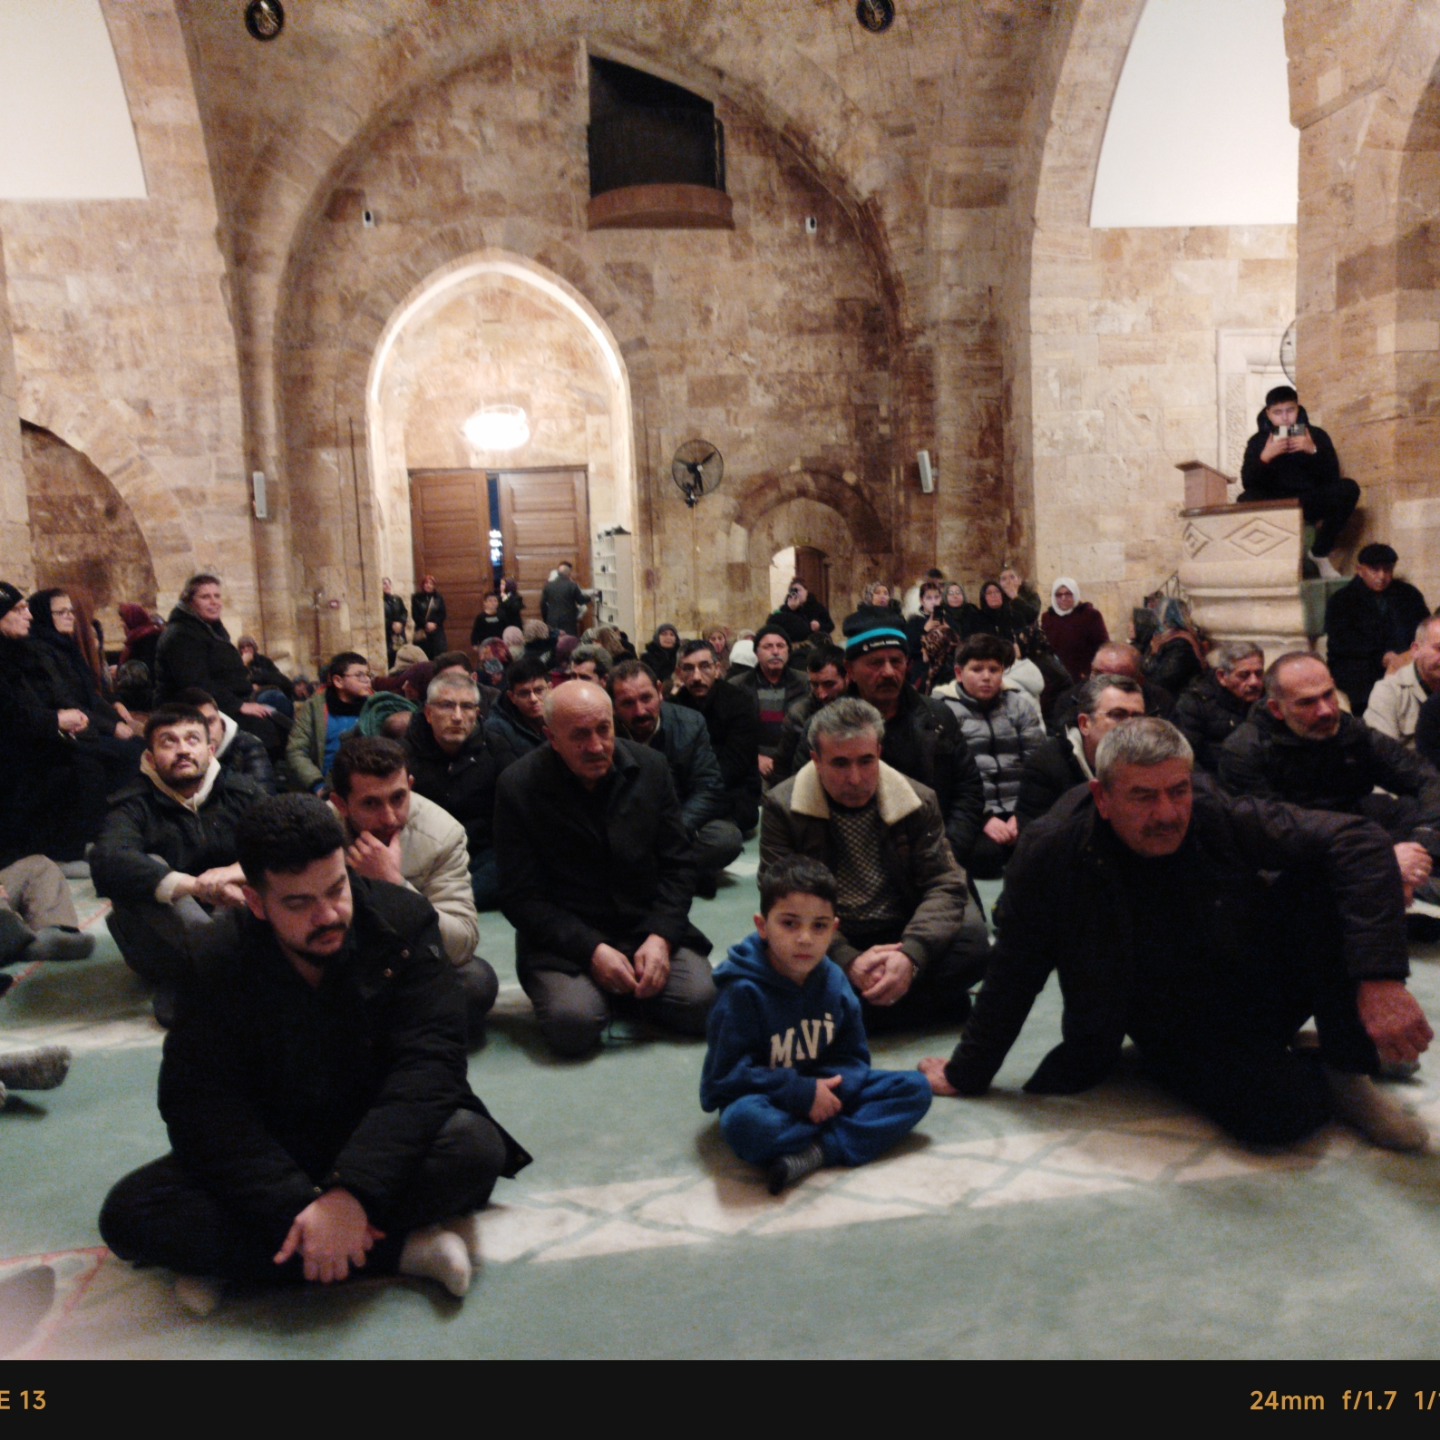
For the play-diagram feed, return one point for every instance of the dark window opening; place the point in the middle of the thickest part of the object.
(646, 131)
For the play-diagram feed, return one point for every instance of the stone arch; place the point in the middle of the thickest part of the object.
(438, 289)
(82, 533)
(806, 507)
(100, 431)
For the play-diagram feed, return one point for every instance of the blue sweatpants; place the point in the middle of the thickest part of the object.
(890, 1105)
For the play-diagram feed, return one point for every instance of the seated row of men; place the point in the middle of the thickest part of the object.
(314, 1086)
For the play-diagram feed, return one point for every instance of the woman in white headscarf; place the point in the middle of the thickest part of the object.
(1074, 627)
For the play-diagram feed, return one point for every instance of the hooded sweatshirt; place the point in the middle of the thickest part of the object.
(769, 1036)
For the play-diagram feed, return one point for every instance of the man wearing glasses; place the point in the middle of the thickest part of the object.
(325, 720)
(451, 764)
(733, 720)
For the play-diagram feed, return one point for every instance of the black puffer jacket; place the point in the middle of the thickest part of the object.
(144, 822)
(1264, 759)
(1207, 714)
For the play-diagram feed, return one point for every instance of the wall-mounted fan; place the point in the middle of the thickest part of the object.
(697, 469)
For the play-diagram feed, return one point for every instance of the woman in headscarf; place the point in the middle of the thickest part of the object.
(958, 613)
(1174, 656)
(995, 615)
(662, 652)
(1074, 628)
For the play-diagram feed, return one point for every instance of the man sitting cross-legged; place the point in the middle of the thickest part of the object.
(166, 854)
(908, 941)
(314, 1086)
(787, 1065)
(597, 875)
(1207, 928)
(395, 835)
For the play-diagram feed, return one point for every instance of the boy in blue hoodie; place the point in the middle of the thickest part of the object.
(787, 1065)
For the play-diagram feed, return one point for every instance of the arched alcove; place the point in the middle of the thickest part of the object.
(495, 328)
(83, 534)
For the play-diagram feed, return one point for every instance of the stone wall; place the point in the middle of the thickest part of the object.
(1124, 354)
(1364, 94)
(769, 342)
(122, 341)
(19, 568)
(83, 534)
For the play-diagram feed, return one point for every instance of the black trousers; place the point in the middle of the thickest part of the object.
(161, 1215)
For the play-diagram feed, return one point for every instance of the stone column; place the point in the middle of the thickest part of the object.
(14, 506)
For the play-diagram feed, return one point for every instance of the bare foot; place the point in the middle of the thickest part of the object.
(933, 1069)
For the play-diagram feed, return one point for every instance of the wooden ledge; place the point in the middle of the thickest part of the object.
(662, 207)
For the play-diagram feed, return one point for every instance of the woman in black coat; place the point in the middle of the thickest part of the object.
(427, 609)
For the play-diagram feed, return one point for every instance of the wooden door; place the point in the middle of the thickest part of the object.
(450, 520)
(813, 571)
(544, 519)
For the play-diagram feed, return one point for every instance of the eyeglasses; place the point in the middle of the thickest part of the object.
(357, 675)
(64, 610)
(695, 667)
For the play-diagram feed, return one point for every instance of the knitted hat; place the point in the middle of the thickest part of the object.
(10, 597)
(878, 639)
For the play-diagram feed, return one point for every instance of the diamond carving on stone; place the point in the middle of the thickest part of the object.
(1194, 540)
(1259, 537)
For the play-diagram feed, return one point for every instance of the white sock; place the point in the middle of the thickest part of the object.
(438, 1254)
(467, 1227)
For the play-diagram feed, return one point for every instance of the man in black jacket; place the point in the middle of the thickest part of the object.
(597, 875)
(1207, 929)
(1302, 748)
(1068, 760)
(1214, 705)
(314, 1086)
(680, 736)
(733, 723)
(167, 852)
(1370, 625)
(452, 764)
(1289, 458)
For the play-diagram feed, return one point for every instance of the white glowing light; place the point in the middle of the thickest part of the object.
(497, 427)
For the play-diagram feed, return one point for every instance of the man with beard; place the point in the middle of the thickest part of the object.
(401, 838)
(733, 723)
(680, 736)
(314, 1087)
(1206, 928)
(166, 855)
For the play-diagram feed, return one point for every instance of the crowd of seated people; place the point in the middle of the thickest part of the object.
(591, 794)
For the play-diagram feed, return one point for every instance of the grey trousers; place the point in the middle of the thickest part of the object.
(573, 1011)
(717, 843)
(158, 941)
(38, 897)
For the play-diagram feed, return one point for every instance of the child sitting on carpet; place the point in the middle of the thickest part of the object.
(787, 1064)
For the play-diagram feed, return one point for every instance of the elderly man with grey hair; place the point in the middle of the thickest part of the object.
(453, 763)
(1216, 703)
(1207, 928)
(1394, 706)
(909, 942)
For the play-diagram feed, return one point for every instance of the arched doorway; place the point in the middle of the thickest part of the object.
(807, 563)
(496, 330)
